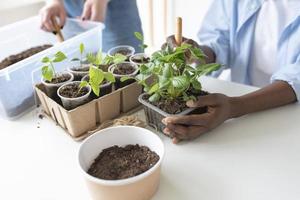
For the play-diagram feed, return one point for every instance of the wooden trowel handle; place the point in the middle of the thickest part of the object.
(178, 35)
(59, 34)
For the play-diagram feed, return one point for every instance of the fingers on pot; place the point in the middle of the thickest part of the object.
(200, 119)
(186, 132)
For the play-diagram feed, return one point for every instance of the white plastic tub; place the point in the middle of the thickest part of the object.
(16, 96)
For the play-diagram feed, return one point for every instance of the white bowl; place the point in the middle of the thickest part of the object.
(140, 187)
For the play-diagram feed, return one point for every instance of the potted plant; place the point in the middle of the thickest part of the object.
(135, 164)
(125, 50)
(100, 81)
(79, 66)
(73, 94)
(140, 58)
(174, 81)
(124, 69)
(52, 80)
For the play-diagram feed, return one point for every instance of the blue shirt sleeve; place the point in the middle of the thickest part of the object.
(290, 74)
(216, 29)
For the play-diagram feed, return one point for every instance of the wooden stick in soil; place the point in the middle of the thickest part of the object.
(59, 34)
(178, 35)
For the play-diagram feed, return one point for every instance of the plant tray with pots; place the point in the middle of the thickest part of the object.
(122, 162)
(85, 119)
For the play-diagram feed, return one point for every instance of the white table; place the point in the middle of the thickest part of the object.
(253, 157)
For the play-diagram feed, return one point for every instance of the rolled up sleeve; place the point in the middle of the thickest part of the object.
(290, 74)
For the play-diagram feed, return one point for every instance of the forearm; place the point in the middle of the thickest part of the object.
(276, 94)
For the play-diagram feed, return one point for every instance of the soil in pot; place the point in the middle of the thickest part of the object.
(104, 88)
(59, 79)
(116, 162)
(22, 55)
(125, 52)
(124, 69)
(73, 91)
(141, 60)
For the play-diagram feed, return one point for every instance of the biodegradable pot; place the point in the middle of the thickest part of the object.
(104, 88)
(79, 70)
(138, 187)
(125, 50)
(138, 56)
(71, 103)
(51, 88)
(154, 115)
(118, 83)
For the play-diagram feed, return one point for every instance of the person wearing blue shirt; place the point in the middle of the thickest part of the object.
(121, 18)
(259, 41)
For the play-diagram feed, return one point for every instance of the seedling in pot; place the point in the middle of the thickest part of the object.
(103, 62)
(124, 69)
(97, 80)
(122, 49)
(50, 78)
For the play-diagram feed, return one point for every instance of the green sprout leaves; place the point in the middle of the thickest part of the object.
(140, 37)
(48, 71)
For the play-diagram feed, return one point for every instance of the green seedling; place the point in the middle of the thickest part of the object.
(140, 37)
(48, 70)
(81, 51)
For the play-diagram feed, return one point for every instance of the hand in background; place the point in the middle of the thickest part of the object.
(94, 10)
(52, 9)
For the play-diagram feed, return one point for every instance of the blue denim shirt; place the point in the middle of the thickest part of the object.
(121, 21)
(228, 29)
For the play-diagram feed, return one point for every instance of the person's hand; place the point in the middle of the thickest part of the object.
(53, 9)
(171, 42)
(94, 10)
(191, 126)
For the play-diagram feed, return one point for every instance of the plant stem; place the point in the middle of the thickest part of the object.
(54, 73)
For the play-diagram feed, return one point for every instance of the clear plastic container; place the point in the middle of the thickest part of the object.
(16, 96)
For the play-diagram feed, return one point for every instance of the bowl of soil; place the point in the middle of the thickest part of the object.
(105, 87)
(156, 111)
(72, 95)
(125, 50)
(122, 162)
(58, 80)
(79, 70)
(139, 58)
(124, 69)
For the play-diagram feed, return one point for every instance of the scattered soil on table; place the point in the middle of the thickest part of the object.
(125, 52)
(41, 116)
(21, 56)
(175, 106)
(81, 69)
(73, 91)
(124, 69)
(116, 162)
(141, 60)
(60, 79)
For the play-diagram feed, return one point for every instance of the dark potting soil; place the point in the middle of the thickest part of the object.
(141, 60)
(22, 55)
(124, 68)
(125, 52)
(175, 106)
(116, 162)
(73, 91)
(60, 79)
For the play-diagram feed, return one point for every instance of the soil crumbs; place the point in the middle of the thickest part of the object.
(125, 52)
(73, 91)
(21, 56)
(141, 60)
(116, 162)
(124, 69)
(60, 79)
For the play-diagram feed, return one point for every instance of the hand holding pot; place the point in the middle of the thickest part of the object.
(52, 9)
(94, 10)
(191, 126)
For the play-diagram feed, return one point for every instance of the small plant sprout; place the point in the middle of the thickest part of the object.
(173, 78)
(99, 59)
(140, 37)
(48, 70)
(96, 78)
(81, 51)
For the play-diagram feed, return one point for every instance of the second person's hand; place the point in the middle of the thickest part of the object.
(94, 10)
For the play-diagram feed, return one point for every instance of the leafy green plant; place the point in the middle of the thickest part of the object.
(96, 78)
(140, 37)
(99, 59)
(48, 70)
(172, 76)
(81, 51)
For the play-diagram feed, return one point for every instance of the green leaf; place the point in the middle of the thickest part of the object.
(47, 73)
(163, 82)
(59, 56)
(196, 84)
(125, 78)
(90, 58)
(154, 98)
(167, 70)
(180, 82)
(118, 58)
(139, 36)
(98, 59)
(154, 88)
(96, 78)
(208, 68)
(81, 48)
(45, 60)
(83, 84)
(109, 77)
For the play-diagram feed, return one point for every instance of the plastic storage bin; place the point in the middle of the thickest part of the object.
(16, 96)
